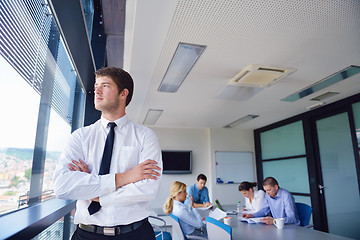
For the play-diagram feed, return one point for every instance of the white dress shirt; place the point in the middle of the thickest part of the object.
(188, 216)
(256, 203)
(133, 144)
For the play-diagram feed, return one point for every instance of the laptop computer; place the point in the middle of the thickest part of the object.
(219, 206)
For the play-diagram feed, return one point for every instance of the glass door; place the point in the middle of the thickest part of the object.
(339, 188)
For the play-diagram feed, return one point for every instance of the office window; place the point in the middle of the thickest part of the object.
(19, 107)
(88, 7)
(39, 83)
(283, 141)
(55, 231)
(59, 131)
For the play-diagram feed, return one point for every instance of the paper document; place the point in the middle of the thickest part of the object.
(204, 208)
(217, 214)
(251, 220)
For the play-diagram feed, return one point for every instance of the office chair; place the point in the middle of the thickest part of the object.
(217, 230)
(177, 231)
(159, 228)
(304, 211)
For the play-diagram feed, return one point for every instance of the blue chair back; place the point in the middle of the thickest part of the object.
(217, 230)
(176, 226)
(304, 211)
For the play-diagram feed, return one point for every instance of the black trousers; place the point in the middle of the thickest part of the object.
(144, 232)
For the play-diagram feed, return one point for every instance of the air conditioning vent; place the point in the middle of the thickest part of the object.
(260, 76)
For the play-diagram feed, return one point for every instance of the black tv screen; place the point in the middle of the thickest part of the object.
(177, 162)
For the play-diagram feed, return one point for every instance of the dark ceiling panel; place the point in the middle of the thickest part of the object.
(71, 22)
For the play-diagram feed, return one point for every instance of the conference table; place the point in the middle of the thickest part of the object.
(261, 231)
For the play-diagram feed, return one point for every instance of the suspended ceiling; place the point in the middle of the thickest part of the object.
(317, 38)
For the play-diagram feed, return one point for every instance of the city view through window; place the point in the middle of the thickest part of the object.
(20, 109)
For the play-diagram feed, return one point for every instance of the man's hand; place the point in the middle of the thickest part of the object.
(78, 166)
(267, 220)
(145, 170)
(207, 204)
(247, 215)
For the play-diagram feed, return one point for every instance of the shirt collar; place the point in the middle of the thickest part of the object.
(278, 193)
(120, 122)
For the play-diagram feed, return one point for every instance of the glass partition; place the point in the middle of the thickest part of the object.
(283, 141)
(339, 175)
(356, 111)
(292, 174)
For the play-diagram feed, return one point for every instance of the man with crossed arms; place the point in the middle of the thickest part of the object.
(122, 194)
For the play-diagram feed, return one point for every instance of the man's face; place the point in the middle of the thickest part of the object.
(200, 184)
(107, 97)
(270, 190)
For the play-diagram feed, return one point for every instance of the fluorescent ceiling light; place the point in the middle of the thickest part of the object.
(323, 83)
(241, 121)
(152, 116)
(324, 96)
(182, 62)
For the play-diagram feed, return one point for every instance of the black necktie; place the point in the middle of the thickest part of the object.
(105, 163)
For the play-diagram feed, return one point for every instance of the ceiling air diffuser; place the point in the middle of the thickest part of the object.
(260, 76)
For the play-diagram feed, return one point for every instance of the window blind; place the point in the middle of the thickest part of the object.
(25, 28)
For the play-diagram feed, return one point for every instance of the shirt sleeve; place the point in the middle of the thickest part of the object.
(191, 192)
(141, 191)
(191, 218)
(247, 204)
(74, 184)
(258, 202)
(265, 209)
(289, 205)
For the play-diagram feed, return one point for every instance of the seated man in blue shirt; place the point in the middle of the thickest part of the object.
(279, 202)
(199, 192)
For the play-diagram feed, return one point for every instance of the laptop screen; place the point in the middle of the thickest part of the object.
(219, 205)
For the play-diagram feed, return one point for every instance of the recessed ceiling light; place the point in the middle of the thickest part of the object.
(241, 121)
(323, 83)
(324, 96)
(182, 62)
(152, 116)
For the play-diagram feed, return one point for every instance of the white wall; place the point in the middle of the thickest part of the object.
(203, 143)
(183, 139)
(229, 140)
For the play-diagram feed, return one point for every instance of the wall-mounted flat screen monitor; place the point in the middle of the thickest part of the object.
(177, 162)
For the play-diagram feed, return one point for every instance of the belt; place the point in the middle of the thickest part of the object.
(112, 231)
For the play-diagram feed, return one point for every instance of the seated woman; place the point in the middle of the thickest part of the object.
(190, 219)
(253, 198)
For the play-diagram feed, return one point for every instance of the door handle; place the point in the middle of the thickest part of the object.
(321, 187)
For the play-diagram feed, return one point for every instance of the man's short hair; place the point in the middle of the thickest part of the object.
(270, 181)
(121, 78)
(202, 176)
